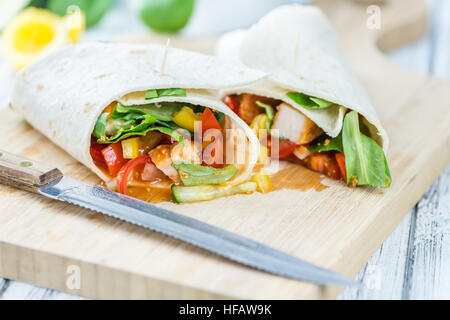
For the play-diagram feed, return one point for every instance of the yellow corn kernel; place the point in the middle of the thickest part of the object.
(263, 182)
(263, 157)
(186, 118)
(131, 148)
(259, 123)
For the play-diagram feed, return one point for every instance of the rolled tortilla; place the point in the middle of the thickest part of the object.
(299, 49)
(63, 94)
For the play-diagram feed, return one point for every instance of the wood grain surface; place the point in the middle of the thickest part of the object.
(41, 238)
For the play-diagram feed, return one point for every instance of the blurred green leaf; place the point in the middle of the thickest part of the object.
(94, 9)
(38, 3)
(167, 15)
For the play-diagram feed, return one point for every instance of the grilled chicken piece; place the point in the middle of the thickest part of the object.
(164, 155)
(295, 126)
(248, 108)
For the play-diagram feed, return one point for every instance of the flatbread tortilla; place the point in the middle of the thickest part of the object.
(63, 94)
(297, 46)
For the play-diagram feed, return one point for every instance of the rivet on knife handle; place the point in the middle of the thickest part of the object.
(25, 174)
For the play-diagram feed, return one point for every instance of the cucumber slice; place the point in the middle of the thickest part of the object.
(209, 192)
(195, 175)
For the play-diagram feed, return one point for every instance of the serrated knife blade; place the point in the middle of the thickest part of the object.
(50, 182)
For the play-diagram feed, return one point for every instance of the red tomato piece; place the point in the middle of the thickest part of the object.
(340, 159)
(125, 172)
(324, 162)
(285, 148)
(113, 156)
(209, 121)
(233, 103)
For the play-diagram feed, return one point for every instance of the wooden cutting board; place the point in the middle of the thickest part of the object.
(46, 242)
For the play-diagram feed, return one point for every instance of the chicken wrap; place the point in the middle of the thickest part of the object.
(311, 104)
(142, 117)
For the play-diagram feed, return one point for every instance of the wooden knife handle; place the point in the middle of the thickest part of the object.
(25, 174)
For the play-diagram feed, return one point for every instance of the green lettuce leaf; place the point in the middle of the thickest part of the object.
(309, 102)
(137, 121)
(163, 111)
(270, 111)
(158, 93)
(100, 126)
(364, 158)
(333, 144)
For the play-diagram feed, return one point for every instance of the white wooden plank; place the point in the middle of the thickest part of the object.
(18, 290)
(384, 274)
(440, 64)
(428, 264)
(430, 260)
(382, 277)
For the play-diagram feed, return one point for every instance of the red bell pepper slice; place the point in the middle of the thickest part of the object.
(96, 154)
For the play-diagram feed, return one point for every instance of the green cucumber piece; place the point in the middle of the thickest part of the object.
(194, 174)
(209, 192)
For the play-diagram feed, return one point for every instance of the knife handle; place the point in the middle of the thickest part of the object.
(25, 174)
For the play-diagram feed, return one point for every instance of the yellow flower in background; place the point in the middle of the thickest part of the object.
(34, 33)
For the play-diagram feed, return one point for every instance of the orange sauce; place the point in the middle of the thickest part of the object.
(294, 177)
(297, 177)
(152, 195)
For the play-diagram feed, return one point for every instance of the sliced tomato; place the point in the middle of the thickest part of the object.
(209, 121)
(325, 163)
(113, 156)
(130, 167)
(340, 159)
(285, 147)
(233, 103)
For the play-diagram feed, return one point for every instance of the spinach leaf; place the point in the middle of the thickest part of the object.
(327, 143)
(309, 102)
(364, 159)
(158, 93)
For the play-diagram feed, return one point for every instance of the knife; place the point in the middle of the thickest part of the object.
(50, 182)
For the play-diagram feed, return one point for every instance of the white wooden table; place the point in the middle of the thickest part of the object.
(414, 262)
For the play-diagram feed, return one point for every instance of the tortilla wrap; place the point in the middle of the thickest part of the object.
(299, 49)
(63, 94)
